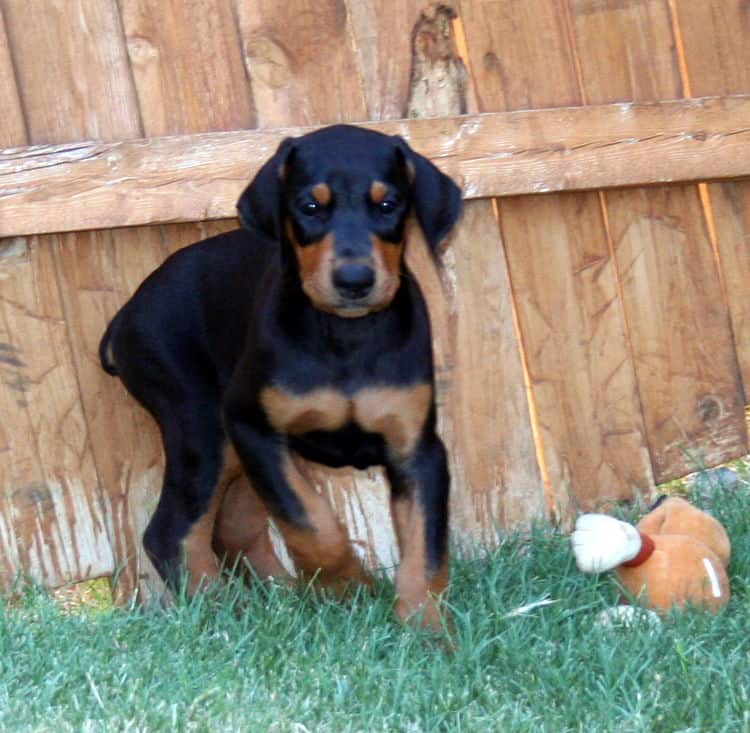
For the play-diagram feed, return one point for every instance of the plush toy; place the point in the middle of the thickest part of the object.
(675, 555)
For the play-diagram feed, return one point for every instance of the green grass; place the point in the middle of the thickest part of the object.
(268, 659)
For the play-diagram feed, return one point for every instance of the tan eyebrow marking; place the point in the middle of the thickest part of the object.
(378, 191)
(321, 193)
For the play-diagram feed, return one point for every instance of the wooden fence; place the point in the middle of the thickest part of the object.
(589, 344)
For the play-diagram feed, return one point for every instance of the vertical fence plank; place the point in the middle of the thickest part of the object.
(97, 271)
(58, 513)
(187, 67)
(562, 274)
(717, 54)
(301, 62)
(19, 461)
(485, 415)
(679, 326)
(189, 77)
(383, 31)
(13, 126)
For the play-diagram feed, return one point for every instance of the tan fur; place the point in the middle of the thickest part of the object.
(319, 409)
(321, 192)
(241, 531)
(418, 591)
(200, 561)
(386, 258)
(378, 191)
(396, 413)
(316, 263)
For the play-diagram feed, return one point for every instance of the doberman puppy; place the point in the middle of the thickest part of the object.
(302, 333)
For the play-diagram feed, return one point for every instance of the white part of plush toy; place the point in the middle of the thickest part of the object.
(601, 542)
(676, 555)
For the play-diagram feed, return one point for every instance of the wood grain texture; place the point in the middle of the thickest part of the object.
(690, 389)
(496, 480)
(13, 128)
(715, 35)
(98, 271)
(187, 66)
(382, 30)
(82, 95)
(301, 62)
(54, 523)
(563, 279)
(87, 185)
(58, 525)
(484, 415)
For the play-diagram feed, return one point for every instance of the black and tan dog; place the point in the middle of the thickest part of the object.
(300, 334)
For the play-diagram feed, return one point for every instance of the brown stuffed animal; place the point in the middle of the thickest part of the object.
(675, 555)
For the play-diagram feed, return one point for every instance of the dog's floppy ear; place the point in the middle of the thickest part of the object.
(436, 198)
(258, 208)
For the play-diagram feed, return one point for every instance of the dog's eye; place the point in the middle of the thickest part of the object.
(387, 206)
(310, 208)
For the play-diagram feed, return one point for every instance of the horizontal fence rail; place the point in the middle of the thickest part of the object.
(91, 185)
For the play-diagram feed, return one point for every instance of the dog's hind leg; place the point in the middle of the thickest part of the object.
(179, 536)
(241, 533)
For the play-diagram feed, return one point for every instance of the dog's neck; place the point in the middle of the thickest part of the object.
(304, 323)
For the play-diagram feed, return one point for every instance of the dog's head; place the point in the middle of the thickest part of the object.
(337, 200)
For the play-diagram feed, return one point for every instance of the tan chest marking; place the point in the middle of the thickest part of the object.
(396, 413)
(319, 409)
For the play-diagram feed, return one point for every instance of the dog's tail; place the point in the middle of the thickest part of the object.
(105, 351)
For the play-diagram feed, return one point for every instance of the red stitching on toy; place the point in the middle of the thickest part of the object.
(647, 549)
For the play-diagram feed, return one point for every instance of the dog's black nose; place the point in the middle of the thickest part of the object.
(354, 280)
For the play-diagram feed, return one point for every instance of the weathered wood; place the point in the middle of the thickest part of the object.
(56, 517)
(484, 413)
(563, 279)
(81, 96)
(678, 323)
(87, 185)
(715, 35)
(187, 66)
(301, 62)
(98, 271)
(54, 523)
(13, 127)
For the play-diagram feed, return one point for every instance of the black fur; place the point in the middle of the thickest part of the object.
(224, 318)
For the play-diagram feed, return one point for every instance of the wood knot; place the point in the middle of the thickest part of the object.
(36, 495)
(710, 408)
(438, 75)
(267, 62)
(490, 61)
(141, 50)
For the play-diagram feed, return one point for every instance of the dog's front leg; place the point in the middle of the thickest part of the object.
(419, 506)
(316, 541)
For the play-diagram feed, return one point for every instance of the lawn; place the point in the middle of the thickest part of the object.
(267, 659)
